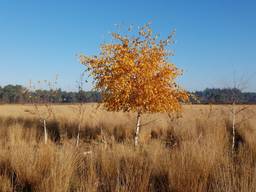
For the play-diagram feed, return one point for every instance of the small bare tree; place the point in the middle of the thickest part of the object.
(42, 101)
(234, 101)
(235, 110)
(80, 107)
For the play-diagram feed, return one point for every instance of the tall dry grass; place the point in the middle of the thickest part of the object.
(189, 154)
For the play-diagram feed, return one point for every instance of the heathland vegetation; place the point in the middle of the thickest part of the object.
(189, 153)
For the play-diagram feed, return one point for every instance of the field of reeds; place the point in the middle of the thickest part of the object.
(186, 153)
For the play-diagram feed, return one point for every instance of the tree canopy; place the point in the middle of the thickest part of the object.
(133, 73)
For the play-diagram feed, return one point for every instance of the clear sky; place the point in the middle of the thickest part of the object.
(41, 38)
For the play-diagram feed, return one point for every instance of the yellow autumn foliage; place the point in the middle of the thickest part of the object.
(133, 74)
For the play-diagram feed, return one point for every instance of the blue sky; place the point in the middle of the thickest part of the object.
(215, 38)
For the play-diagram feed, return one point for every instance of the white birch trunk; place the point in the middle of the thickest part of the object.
(233, 127)
(78, 135)
(137, 131)
(45, 132)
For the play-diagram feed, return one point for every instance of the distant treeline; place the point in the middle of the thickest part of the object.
(20, 94)
(224, 96)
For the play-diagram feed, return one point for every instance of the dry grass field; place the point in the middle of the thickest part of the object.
(191, 153)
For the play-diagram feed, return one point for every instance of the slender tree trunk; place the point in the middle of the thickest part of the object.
(45, 132)
(78, 135)
(137, 131)
(233, 127)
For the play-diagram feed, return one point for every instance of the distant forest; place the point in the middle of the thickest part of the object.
(224, 96)
(20, 94)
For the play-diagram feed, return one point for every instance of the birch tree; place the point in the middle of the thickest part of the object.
(133, 73)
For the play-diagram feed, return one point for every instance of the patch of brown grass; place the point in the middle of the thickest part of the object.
(181, 155)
